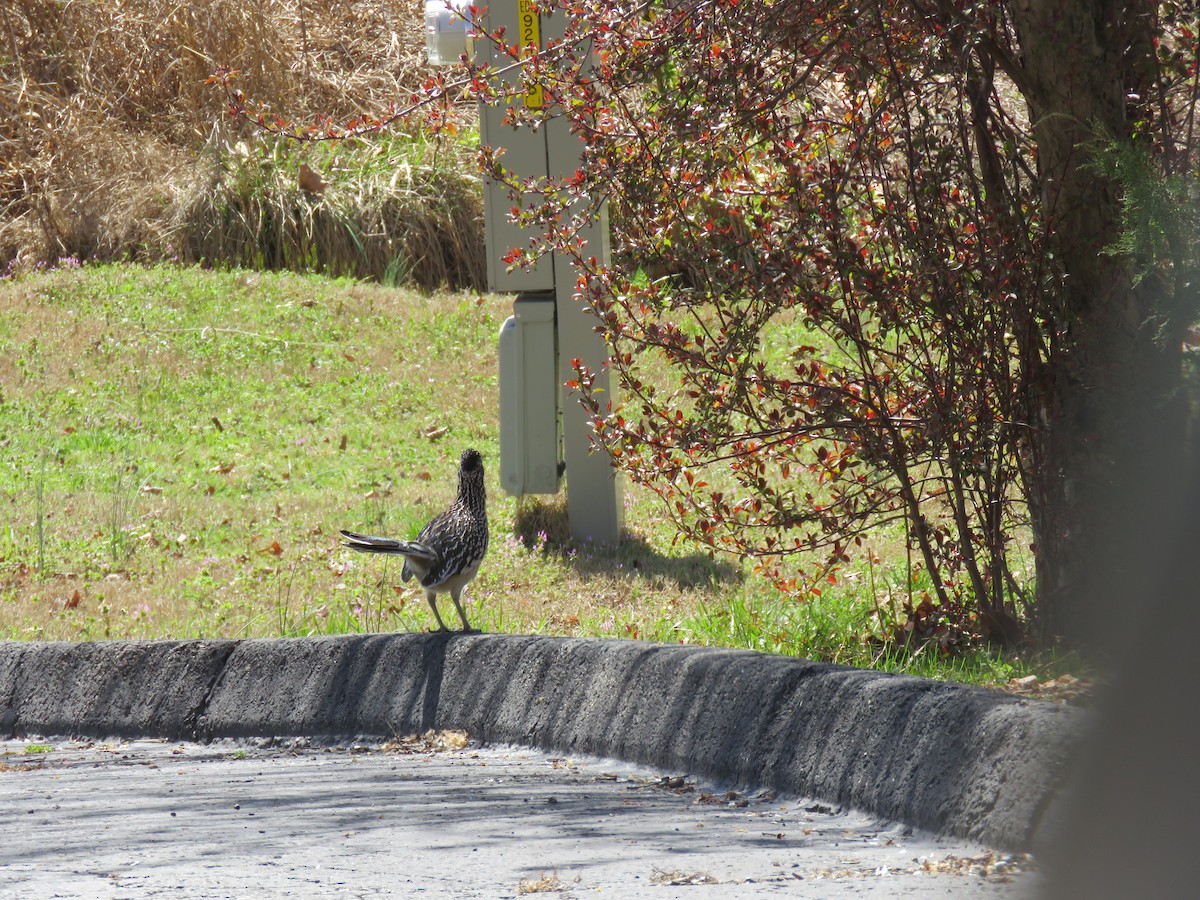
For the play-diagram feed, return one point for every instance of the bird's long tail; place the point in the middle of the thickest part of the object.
(365, 543)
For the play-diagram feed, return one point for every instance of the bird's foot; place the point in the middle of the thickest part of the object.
(467, 629)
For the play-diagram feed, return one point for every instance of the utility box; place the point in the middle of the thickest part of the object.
(531, 459)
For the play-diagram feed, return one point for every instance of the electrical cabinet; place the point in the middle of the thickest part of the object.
(530, 432)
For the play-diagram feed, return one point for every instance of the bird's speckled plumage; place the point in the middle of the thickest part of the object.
(447, 553)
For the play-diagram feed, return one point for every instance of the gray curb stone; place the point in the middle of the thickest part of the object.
(956, 760)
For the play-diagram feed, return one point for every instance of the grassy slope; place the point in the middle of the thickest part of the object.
(179, 448)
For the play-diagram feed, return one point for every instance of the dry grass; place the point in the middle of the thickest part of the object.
(113, 146)
(394, 210)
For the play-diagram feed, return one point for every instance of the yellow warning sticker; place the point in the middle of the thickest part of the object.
(530, 41)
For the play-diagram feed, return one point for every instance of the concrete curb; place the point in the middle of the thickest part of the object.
(956, 760)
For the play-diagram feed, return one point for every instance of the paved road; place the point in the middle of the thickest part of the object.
(435, 819)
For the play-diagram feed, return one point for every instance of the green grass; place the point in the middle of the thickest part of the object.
(180, 448)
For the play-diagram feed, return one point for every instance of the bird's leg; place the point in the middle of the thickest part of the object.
(432, 598)
(467, 629)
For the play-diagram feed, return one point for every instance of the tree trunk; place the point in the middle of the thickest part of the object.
(1102, 390)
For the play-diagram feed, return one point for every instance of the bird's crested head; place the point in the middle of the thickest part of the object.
(470, 461)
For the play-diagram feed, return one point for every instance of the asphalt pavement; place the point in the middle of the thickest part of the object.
(441, 816)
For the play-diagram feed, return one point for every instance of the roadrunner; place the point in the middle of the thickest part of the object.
(447, 553)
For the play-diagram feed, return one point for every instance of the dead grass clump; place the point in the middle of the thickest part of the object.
(542, 522)
(545, 884)
(401, 211)
(108, 128)
(445, 741)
